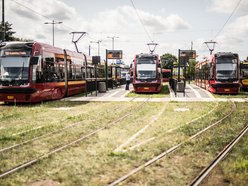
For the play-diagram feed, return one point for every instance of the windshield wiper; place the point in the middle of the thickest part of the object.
(22, 70)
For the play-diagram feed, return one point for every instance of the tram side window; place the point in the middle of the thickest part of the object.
(201, 74)
(211, 72)
(109, 72)
(69, 67)
(61, 72)
(196, 74)
(78, 73)
(119, 72)
(204, 72)
(49, 70)
(88, 73)
(72, 72)
(101, 72)
(113, 72)
(83, 72)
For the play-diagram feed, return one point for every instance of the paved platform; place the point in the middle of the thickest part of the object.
(192, 94)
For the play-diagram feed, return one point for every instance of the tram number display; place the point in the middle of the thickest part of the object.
(15, 53)
(10, 97)
(114, 54)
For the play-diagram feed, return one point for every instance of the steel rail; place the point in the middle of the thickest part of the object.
(170, 150)
(46, 155)
(42, 136)
(205, 172)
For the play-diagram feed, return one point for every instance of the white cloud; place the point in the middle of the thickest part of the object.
(227, 6)
(125, 18)
(121, 21)
(157, 23)
(235, 33)
(53, 9)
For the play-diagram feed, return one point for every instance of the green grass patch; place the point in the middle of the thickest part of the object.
(95, 161)
(242, 94)
(165, 92)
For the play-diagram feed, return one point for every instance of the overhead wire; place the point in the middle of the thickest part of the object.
(234, 10)
(44, 16)
(141, 21)
(38, 13)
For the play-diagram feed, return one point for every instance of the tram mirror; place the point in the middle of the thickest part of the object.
(34, 60)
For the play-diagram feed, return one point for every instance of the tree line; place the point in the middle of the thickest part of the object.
(8, 34)
(168, 61)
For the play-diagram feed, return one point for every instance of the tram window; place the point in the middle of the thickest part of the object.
(88, 73)
(78, 73)
(83, 72)
(48, 69)
(101, 73)
(146, 61)
(118, 71)
(211, 71)
(73, 72)
(109, 72)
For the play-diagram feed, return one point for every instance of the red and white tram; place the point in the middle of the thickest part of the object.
(219, 74)
(244, 75)
(33, 72)
(147, 73)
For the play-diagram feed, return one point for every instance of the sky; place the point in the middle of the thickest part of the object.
(173, 25)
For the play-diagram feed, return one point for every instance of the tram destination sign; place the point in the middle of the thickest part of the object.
(190, 54)
(114, 54)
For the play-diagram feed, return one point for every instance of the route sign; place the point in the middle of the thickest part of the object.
(191, 54)
(114, 54)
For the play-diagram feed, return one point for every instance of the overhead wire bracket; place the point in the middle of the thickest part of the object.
(75, 40)
(150, 46)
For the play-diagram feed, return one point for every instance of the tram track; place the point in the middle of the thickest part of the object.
(226, 150)
(35, 128)
(171, 150)
(175, 128)
(69, 144)
(49, 133)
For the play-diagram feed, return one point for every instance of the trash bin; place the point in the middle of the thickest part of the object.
(102, 87)
(180, 86)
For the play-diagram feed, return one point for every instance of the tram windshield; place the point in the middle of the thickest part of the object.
(147, 60)
(244, 70)
(226, 69)
(146, 71)
(14, 70)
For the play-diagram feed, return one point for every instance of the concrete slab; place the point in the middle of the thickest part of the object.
(192, 94)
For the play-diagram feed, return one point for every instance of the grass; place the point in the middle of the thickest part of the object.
(242, 94)
(95, 161)
(165, 92)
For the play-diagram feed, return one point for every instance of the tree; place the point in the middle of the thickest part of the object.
(9, 34)
(191, 69)
(167, 60)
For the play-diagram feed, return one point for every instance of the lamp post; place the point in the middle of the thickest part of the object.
(3, 22)
(113, 41)
(53, 23)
